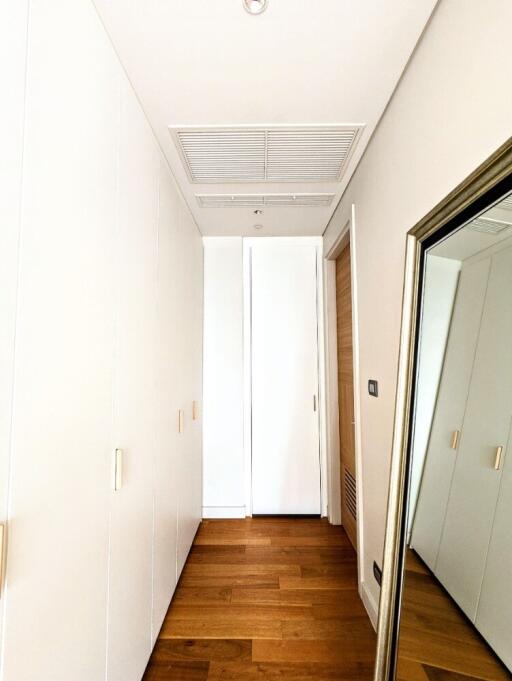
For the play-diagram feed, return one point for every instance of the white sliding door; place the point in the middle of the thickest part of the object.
(285, 429)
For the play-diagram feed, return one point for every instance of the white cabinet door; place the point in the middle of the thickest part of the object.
(494, 615)
(13, 49)
(190, 451)
(167, 402)
(285, 432)
(131, 525)
(475, 487)
(55, 597)
(449, 412)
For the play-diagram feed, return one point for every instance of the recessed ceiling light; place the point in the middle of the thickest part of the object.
(255, 6)
(258, 226)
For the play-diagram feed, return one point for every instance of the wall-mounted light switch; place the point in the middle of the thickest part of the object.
(181, 421)
(373, 388)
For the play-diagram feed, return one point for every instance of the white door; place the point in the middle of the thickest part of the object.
(449, 412)
(131, 525)
(476, 483)
(285, 430)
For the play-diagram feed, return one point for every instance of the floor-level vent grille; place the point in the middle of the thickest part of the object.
(287, 200)
(282, 154)
(350, 493)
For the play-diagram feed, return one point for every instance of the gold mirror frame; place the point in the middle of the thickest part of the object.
(486, 178)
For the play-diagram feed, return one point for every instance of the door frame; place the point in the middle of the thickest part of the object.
(247, 243)
(345, 237)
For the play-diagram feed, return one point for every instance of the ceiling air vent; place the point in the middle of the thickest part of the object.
(506, 203)
(488, 226)
(291, 154)
(287, 200)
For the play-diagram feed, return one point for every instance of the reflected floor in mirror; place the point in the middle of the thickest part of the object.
(266, 599)
(437, 641)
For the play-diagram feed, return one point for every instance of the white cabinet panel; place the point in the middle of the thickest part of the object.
(494, 616)
(223, 486)
(131, 526)
(475, 487)
(55, 599)
(285, 431)
(190, 452)
(167, 402)
(449, 411)
(13, 35)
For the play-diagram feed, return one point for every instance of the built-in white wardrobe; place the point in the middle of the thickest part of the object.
(101, 304)
(462, 527)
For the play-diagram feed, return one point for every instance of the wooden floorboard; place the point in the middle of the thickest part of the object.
(269, 599)
(437, 642)
(264, 599)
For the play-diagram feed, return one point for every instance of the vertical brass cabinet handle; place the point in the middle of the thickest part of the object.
(498, 458)
(455, 439)
(194, 411)
(181, 421)
(2, 542)
(118, 470)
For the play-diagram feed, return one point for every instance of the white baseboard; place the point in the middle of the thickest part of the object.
(369, 603)
(223, 511)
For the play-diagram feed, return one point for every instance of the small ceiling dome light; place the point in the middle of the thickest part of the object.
(255, 6)
(258, 226)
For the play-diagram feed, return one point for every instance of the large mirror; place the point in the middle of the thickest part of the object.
(446, 611)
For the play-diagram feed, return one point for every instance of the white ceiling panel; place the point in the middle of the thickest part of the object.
(330, 65)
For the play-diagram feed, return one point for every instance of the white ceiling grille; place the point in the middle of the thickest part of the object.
(488, 226)
(223, 200)
(292, 154)
(506, 203)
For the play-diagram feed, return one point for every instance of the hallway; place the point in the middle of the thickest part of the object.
(266, 598)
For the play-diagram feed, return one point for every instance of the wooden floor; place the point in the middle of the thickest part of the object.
(266, 599)
(437, 642)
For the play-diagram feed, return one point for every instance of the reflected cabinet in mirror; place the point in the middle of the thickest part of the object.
(446, 605)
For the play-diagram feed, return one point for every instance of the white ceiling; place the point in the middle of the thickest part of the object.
(300, 63)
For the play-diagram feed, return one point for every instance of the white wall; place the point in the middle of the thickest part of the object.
(441, 278)
(451, 110)
(223, 388)
(101, 311)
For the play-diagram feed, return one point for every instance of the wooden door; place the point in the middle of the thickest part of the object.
(346, 395)
(285, 432)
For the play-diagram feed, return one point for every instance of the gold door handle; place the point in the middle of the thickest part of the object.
(498, 458)
(118, 470)
(455, 439)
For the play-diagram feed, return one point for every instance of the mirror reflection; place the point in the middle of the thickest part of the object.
(456, 619)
